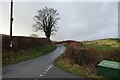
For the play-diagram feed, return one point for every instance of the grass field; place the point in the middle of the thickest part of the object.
(104, 44)
(23, 55)
(111, 42)
(100, 47)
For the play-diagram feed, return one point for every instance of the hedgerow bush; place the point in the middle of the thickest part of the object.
(90, 57)
(23, 43)
(112, 55)
(86, 56)
(71, 49)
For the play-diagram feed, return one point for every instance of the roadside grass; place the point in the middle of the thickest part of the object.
(23, 55)
(64, 63)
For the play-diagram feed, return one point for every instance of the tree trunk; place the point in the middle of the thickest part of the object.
(48, 35)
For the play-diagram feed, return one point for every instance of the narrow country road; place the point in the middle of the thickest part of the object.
(41, 67)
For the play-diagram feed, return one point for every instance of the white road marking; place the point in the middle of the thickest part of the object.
(45, 71)
(48, 68)
(41, 75)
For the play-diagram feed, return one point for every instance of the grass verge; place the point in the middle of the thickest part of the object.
(64, 63)
(23, 55)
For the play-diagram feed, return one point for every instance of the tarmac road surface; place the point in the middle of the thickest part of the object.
(41, 67)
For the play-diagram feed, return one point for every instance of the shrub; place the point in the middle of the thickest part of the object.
(112, 55)
(82, 56)
(86, 56)
(71, 49)
(90, 57)
(23, 43)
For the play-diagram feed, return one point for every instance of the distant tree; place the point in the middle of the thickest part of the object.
(46, 20)
(34, 35)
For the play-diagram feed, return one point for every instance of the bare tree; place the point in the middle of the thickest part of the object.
(46, 20)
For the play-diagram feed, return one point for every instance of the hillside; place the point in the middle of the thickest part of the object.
(112, 42)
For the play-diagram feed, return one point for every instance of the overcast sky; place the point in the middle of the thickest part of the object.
(79, 20)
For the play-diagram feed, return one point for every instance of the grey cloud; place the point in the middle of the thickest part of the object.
(79, 21)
